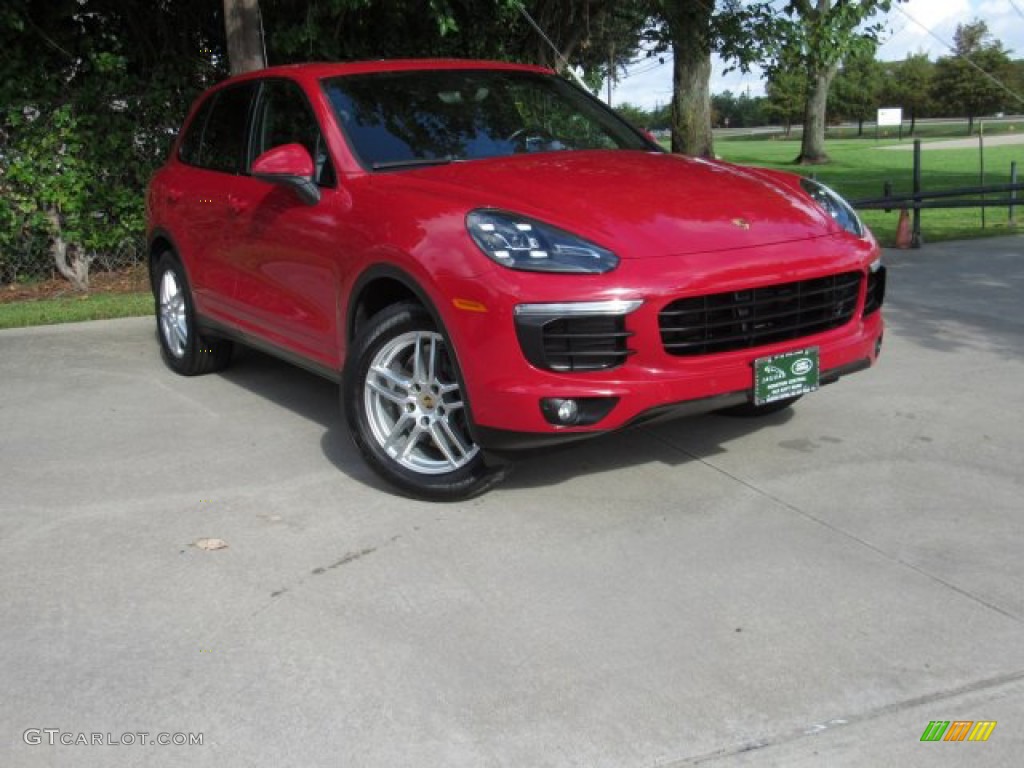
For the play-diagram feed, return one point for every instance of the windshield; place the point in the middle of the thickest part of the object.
(406, 119)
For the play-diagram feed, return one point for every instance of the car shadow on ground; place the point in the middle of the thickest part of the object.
(316, 400)
(307, 395)
(669, 443)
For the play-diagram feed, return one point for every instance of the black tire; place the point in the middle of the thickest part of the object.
(751, 411)
(183, 349)
(410, 421)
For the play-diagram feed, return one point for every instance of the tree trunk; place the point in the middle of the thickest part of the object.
(76, 269)
(244, 30)
(970, 125)
(689, 23)
(913, 121)
(812, 146)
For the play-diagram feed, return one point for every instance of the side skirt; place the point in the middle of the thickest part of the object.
(221, 330)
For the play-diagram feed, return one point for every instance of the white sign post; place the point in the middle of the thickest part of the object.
(888, 117)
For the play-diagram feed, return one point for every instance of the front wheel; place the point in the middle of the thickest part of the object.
(403, 400)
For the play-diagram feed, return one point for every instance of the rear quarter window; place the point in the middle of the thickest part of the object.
(217, 137)
(192, 142)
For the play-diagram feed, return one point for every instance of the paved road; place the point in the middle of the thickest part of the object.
(965, 143)
(810, 590)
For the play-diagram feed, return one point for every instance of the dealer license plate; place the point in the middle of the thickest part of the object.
(786, 375)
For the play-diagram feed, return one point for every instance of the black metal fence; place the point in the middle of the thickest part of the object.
(959, 197)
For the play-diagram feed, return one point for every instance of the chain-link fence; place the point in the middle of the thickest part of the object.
(33, 260)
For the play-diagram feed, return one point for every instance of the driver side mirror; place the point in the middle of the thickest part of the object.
(289, 165)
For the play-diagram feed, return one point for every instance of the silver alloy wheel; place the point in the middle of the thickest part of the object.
(414, 406)
(173, 321)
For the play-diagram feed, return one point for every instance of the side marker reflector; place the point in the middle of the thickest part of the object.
(468, 305)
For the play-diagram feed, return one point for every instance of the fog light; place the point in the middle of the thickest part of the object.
(576, 411)
(562, 412)
(568, 411)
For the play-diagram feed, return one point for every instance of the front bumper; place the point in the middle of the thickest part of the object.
(501, 441)
(506, 390)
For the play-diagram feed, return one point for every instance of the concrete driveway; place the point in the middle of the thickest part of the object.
(811, 589)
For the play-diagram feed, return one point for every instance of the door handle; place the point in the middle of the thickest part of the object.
(237, 205)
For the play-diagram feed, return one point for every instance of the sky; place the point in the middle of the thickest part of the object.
(649, 84)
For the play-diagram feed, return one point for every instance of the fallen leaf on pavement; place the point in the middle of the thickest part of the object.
(210, 544)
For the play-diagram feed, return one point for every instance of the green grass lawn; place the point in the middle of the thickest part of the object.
(859, 169)
(926, 131)
(98, 306)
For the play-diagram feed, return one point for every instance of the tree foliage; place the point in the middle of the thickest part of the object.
(907, 84)
(786, 90)
(91, 91)
(732, 111)
(584, 32)
(819, 35)
(857, 89)
(639, 117)
(968, 83)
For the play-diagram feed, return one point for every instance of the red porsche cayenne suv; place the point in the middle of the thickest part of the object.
(488, 260)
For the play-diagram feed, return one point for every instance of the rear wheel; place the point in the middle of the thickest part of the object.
(404, 403)
(184, 350)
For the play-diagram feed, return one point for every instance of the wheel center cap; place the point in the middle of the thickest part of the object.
(428, 402)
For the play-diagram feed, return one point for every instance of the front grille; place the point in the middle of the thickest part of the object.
(722, 322)
(585, 343)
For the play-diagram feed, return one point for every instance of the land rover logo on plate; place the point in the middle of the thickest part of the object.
(802, 366)
(790, 374)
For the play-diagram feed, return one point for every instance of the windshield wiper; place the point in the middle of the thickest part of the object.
(412, 162)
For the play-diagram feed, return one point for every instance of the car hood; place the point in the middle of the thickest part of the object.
(638, 204)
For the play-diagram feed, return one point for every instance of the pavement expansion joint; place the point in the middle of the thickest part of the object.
(728, 753)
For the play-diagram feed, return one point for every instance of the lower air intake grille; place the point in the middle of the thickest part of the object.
(586, 343)
(722, 322)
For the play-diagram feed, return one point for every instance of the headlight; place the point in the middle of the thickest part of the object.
(518, 242)
(834, 206)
